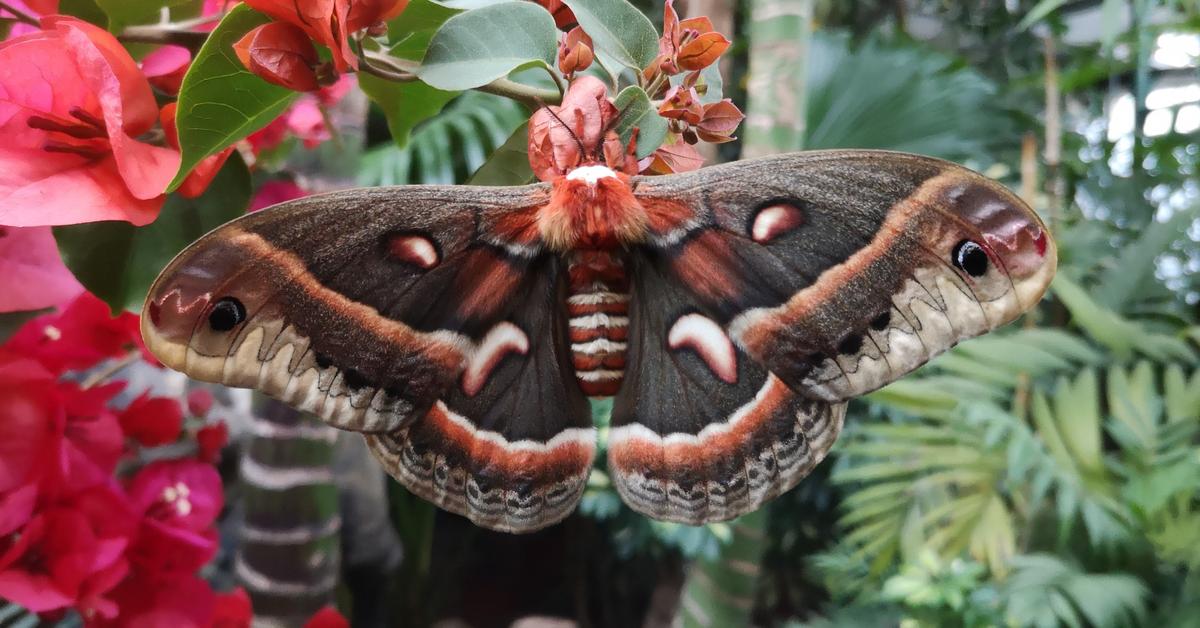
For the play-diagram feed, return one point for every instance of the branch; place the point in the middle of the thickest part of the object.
(111, 368)
(532, 97)
(19, 15)
(163, 35)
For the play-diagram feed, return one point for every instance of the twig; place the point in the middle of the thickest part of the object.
(110, 369)
(161, 35)
(532, 97)
(334, 134)
(559, 82)
(19, 15)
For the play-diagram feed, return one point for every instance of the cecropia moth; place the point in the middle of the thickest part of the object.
(731, 311)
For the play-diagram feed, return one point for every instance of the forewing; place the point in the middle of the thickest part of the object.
(701, 432)
(841, 271)
(360, 306)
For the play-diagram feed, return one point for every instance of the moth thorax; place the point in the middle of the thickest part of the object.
(592, 208)
(598, 307)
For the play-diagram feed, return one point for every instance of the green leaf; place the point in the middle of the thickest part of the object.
(1039, 12)
(1132, 272)
(121, 13)
(118, 261)
(86, 10)
(509, 164)
(619, 29)
(474, 124)
(479, 46)
(404, 104)
(636, 111)
(897, 96)
(220, 101)
(411, 31)
(1118, 334)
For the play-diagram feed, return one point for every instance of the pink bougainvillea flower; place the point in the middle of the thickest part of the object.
(83, 334)
(275, 192)
(70, 553)
(719, 121)
(29, 435)
(563, 17)
(303, 120)
(682, 103)
(577, 132)
(180, 493)
(56, 438)
(34, 274)
(199, 401)
(677, 157)
(330, 22)
(72, 102)
(280, 53)
(175, 503)
(327, 617)
(112, 523)
(165, 66)
(147, 600)
(306, 123)
(43, 567)
(211, 439)
(179, 501)
(92, 432)
(331, 95)
(575, 51)
(232, 610)
(688, 45)
(152, 421)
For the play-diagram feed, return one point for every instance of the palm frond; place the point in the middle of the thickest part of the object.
(448, 147)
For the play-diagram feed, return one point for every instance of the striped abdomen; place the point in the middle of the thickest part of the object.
(598, 304)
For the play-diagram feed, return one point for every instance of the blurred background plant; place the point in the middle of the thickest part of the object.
(1047, 475)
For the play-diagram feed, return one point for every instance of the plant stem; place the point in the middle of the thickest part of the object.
(19, 15)
(110, 369)
(559, 82)
(163, 35)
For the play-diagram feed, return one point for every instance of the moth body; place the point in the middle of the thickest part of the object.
(598, 307)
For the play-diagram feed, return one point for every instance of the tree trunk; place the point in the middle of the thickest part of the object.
(779, 32)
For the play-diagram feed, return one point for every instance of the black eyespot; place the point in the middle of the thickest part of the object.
(970, 257)
(226, 314)
(850, 345)
(881, 322)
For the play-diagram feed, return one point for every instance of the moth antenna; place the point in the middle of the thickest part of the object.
(578, 142)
